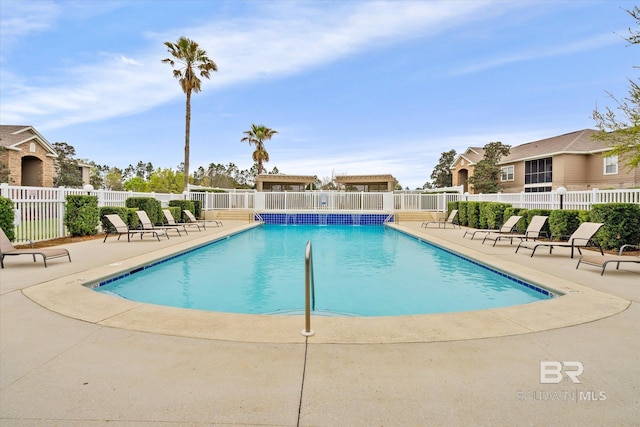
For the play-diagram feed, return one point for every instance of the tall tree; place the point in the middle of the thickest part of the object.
(622, 132)
(191, 61)
(486, 174)
(441, 174)
(66, 166)
(257, 135)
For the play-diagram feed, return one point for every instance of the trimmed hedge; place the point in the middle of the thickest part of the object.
(6, 217)
(473, 214)
(151, 206)
(493, 214)
(197, 208)
(81, 215)
(562, 223)
(182, 205)
(462, 213)
(621, 224)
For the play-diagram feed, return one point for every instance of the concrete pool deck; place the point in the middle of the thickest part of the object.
(70, 356)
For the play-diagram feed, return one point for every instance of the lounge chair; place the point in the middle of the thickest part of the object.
(533, 232)
(170, 222)
(122, 228)
(603, 260)
(7, 249)
(146, 224)
(580, 238)
(442, 221)
(192, 219)
(507, 227)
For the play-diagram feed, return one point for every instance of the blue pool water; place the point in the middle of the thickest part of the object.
(359, 271)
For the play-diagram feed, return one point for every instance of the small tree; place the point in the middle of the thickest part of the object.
(486, 174)
(257, 135)
(113, 180)
(441, 175)
(66, 166)
(622, 131)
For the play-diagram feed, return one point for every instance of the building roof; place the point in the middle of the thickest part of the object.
(352, 179)
(12, 137)
(307, 179)
(578, 142)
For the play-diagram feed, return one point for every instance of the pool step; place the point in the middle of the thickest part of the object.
(418, 216)
(229, 214)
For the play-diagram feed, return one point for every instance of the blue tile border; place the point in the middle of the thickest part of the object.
(324, 218)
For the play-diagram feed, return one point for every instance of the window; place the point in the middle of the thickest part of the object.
(537, 189)
(506, 173)
(538, 171)
(611, 165)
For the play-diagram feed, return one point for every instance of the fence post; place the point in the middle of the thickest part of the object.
(61, 199)
(4, 190)
(594, 198)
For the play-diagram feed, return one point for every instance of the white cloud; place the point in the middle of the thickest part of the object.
(587, 45)
(284, 40)
(19, 18)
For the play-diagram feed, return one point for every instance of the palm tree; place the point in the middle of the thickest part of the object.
(191, 60)
(257, 135)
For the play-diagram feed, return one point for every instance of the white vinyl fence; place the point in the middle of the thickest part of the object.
(39, 212)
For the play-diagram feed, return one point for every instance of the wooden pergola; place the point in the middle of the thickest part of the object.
(278, 182)
(366, 183)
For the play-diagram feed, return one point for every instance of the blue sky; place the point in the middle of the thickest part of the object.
(352, 87)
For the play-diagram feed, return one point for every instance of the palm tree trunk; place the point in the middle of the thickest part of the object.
(187, 134)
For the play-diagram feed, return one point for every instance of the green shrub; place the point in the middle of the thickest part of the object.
(151, 206)
(6, 217)
(197, 208)
(462, 213)
(494, 213)
(473, 214)
(562, 223)
(451, 206)
(182, 205)
(621, 224)
(81, 215)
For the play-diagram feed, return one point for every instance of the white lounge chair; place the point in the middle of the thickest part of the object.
(507, 227)
(581, 238)
(533, 232)
(122, 228)
(193, 220)
(444, 221)
(7, 249)
(171, 222)
(146, 224)
(603, 260)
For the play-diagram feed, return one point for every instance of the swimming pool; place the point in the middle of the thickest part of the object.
(359, 271)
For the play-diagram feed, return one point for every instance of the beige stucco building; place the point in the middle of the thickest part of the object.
(575, 161)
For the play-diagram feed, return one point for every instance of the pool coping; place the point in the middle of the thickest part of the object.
(577, 304)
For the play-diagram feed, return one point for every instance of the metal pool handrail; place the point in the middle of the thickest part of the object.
(309, 291)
